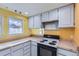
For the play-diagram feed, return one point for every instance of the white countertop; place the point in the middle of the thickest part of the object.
(68, 45)
(16, 42)
(62, 44)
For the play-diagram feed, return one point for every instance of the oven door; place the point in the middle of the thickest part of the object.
(44, 50)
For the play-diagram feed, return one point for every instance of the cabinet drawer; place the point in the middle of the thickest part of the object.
(66, 53)
(17, 47)
(8, 54)
(27, 47)
(27, 54)
(26, 51)
(26, 43)
(4, 52)
(59, 54)
(18, 53)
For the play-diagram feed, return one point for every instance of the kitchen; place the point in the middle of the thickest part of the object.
(50, 29)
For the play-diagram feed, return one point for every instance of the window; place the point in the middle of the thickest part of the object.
(15, 26)
(1, 26)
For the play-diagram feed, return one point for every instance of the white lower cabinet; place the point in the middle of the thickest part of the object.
(26, 43)
(27, 49)
(27, 54)
(58, 54)
(5, 52)
(33, 48)
(8, 54)
(17, 53)
(63, 52)
(17, 50)
(16, 47)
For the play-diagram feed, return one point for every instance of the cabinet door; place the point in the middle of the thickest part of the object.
(45, 17)
(26, 43)
(18, 52)
(27, 51)
(58, 54)
(37, 21)
(5, 52)
(8, 54)
(53, 15)
(34, 50)
(16, 47)
(66, 16)
(26, 48)
(66, 52)
(30, 22)
(28, 54)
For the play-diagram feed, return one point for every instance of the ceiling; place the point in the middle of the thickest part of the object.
(33, 8)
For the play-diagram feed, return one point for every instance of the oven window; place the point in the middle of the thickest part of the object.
(45, 52)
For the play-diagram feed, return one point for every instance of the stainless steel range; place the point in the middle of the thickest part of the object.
(48, 46)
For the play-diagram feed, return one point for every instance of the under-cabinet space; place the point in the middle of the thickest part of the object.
(50, 25)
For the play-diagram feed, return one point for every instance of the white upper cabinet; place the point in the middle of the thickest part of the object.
(30, 21)
(45, 17)
(66, 16)
(53, 15)
(37, 21)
